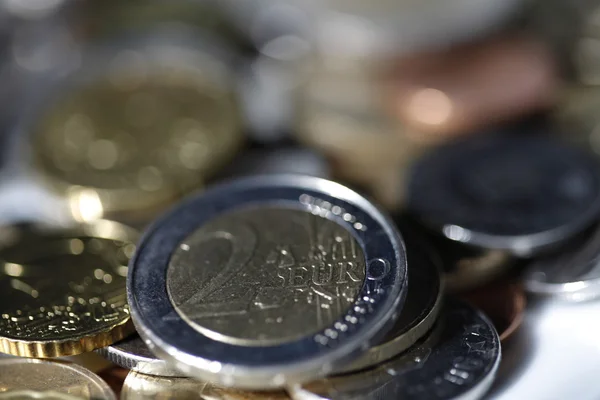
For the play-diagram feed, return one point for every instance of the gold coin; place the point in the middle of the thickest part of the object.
(146, 387)
(57, 380)
(212, 295)
(63, 292)
(133, 141)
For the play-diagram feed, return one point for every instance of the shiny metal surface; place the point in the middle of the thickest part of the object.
(265, 275)
(133, 354)
(573, 273)
(458, 360)
(63, 291)
(375, 307)
(18, 374)
(145, 387)
(470, 192)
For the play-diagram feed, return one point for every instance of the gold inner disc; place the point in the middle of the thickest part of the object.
(265, 275)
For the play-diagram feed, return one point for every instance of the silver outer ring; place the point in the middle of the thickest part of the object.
(376, 308)
(132, 353)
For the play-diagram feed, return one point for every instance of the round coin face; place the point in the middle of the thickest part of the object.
(50, 380)
(132, 353)
(137, 136)
(457, 360)
(266, 281)
(423, 303)
(573, 274)
(517, 191)
(144, 387)
(63, 291)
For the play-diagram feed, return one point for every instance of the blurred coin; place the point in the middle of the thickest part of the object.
(423, 303)
(518, 191)
(154, 118)
(577, 114)
(19, 374)
(133, 354)
(504, 302)
(586, 54)
(141, 387)
(301, 275)
(63, 291)
(458, 360)
(34, 394)
(573, 272)
(278, 160)
(114, 377)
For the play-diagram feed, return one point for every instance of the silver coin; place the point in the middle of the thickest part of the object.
(458, 360)
(423, 304)
(267, 281)
(573, 273)
(514, 190)
(132, 353)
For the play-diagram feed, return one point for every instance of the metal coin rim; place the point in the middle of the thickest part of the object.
(270, 366)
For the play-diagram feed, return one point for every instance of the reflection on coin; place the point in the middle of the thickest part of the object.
(18, 374)
(138, 386)
(301, 274)
(423, 303)
(504, 302)
(573, 273)
(138, 135)
(458, 360)
(133, 354)
(517, 191)
(63, 291)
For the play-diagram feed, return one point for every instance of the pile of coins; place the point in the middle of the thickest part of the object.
(198, 259)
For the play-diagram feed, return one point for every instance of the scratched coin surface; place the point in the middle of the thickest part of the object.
(458, 360)
(518, 191)
(63, 291)
(50, 380)
(573, 273)
(268, 280)
(138, 386)
(132, 353)
(140, 134)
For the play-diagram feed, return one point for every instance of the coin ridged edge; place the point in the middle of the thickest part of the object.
(69, 347)
(156, 367)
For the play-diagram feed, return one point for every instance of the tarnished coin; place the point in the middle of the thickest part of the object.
(517, 191)
(458, 360)
(63, 291)
(54, 379)
(138, 386)
(132, 353)
(148, 121)
(423, 303)
(572, 273)
(267, 281)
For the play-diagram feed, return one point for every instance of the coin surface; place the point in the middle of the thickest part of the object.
(34, 394)
(457, 360)
(517, 191)
(141, 132)
(50, 378)
(63, 291)
(573, 273)
(132, 353)
(142, 387)
(423, 304)
(268, 280)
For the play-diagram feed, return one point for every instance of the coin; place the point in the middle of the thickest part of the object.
(142, 387)
(301, 275)
(458, 360)
(114, 377)
(63, 291)
(572, 273)
(504, 302)
(21, 374)
(150, 122)
(423, 303)
(517, 191)
(133, 354)
(32, 394)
